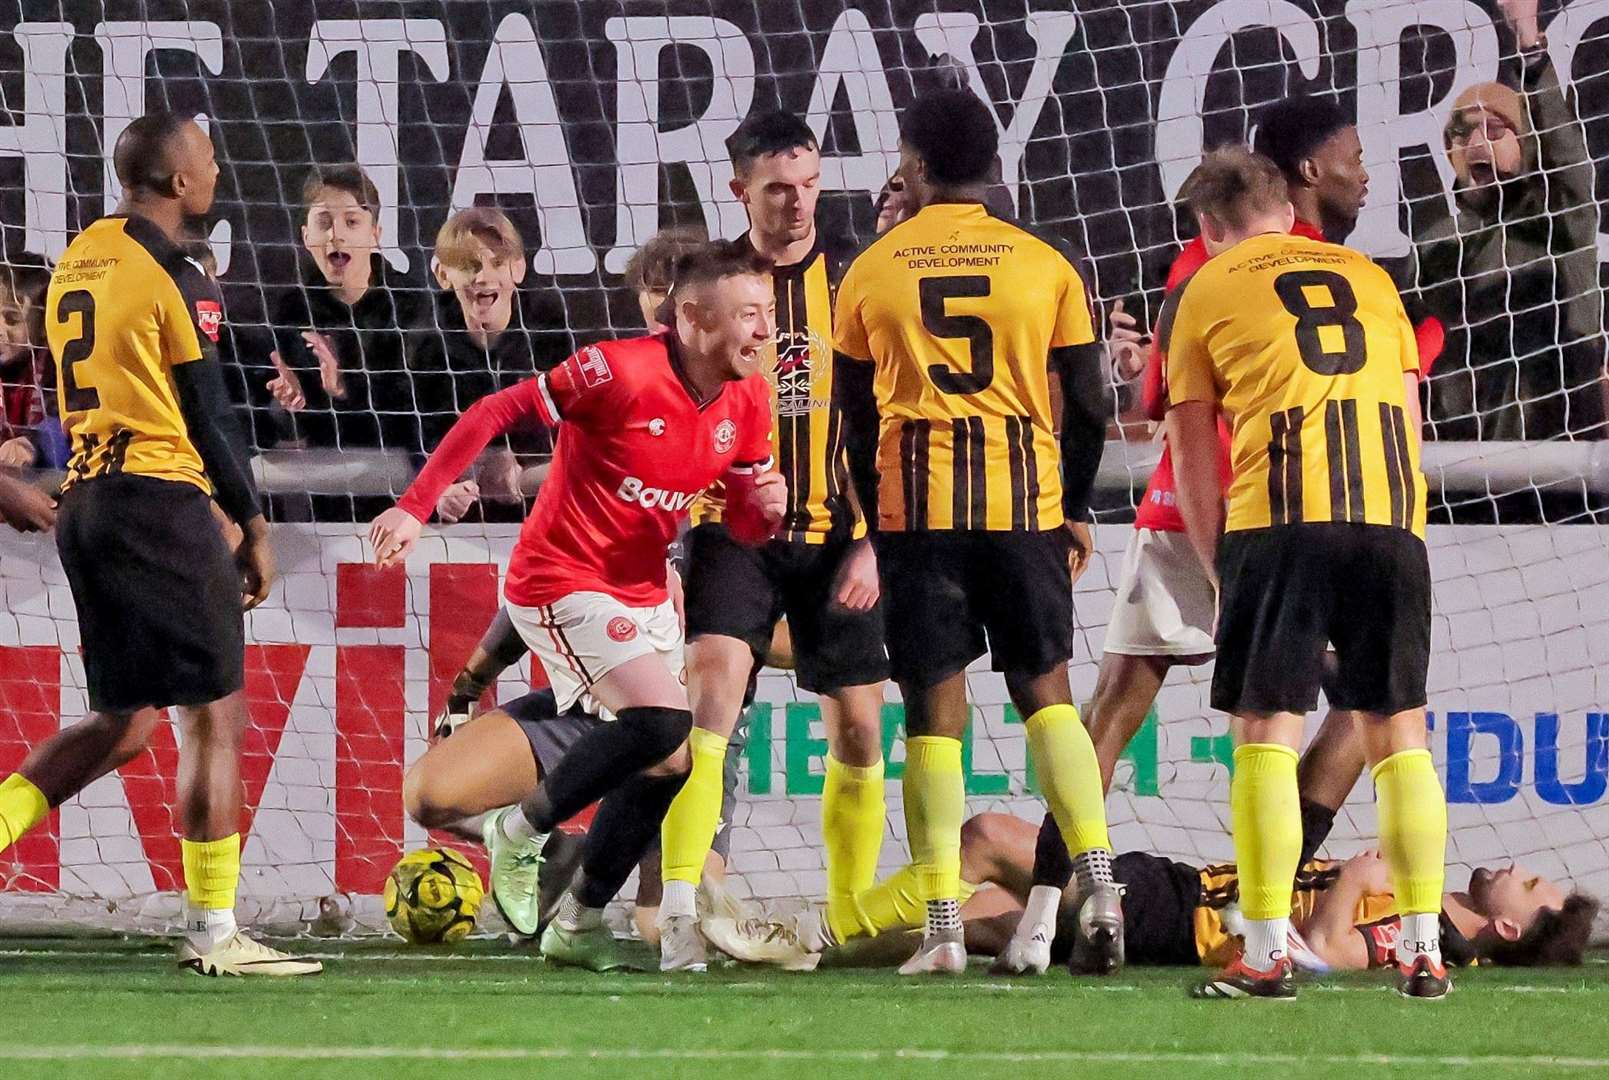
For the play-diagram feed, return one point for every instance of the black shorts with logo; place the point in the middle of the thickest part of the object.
(954, 595)
(157, 593)
(1287, 593)
(741, 591)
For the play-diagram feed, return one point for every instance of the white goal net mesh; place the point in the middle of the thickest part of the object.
(595, 125)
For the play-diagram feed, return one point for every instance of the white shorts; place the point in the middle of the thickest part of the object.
(584, 636)
(1166, 605)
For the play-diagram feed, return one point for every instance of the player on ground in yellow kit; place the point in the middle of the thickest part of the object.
(1306, 349)
(979, 512)
(133, 323)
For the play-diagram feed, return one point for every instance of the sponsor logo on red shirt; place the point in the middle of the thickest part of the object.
(594, 366)
(633, 490)
(621, 629)
(209, 316)
(725, 436)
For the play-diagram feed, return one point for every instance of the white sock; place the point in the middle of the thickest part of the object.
(1421, 935)
(573, 917)
(1266, 942)
(943, 919)
(516, 827)
(208, 927)
(680, 898)
(1039, 913)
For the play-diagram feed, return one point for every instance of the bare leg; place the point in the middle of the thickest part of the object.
(76, 756)
(209, 768)
(1125, 690)
(486, 764)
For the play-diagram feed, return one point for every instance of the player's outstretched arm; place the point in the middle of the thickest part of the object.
(394, 532)
(1331, 931)
(24, 507)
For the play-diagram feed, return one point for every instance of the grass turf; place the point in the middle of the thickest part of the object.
(115, 1008)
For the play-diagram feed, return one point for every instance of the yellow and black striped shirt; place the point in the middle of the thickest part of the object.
(123, 310)
(958, 311)
(1220, 888)
(1304, 345)
(808, 437)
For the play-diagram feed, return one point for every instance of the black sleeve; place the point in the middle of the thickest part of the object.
(1083, 424)
(204, 402)
(856, 400)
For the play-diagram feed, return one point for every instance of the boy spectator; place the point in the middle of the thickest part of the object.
(339, 336)
(650, 272)
(1514, 274)
(26, 371)
(487, 336)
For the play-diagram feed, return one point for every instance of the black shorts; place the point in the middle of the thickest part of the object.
(1288, 593)
(952, 596)
(552, 734)
(1160, 899)
(741, 591)
(157, 593)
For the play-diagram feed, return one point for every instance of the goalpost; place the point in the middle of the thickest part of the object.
(593, 126)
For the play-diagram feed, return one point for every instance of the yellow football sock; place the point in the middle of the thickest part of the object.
(695, 813)
(853, 812)
(1266, 816)
(22, 806)
(891, 904)
(1070, 777)
(935, 803)
(1413, 829)
(212, 871)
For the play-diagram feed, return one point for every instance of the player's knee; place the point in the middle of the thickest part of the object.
(982, 834)
(658, 733)
(720, 662)
(128, 736)
(860, 740)
(422, 799)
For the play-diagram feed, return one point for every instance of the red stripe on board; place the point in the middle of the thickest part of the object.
(30, 708)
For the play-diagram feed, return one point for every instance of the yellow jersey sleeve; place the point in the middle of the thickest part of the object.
(1191, 376)
(848, 329)
(1075, 324)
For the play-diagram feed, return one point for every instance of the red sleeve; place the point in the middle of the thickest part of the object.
(1154, 384)
(579, 387)
(480, 424)
(754, 440)
(1431, 337)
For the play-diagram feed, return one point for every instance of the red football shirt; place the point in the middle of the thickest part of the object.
(1159, 508)
(634, 449)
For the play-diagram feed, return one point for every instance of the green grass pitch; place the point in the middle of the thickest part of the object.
(115, 1008)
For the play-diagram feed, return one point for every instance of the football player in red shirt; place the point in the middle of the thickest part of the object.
(643, 426)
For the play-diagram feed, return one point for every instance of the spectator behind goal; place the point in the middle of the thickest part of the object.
(1514, 273)
(651, 270)
(487, 335)
(29, 432)
(339, 335)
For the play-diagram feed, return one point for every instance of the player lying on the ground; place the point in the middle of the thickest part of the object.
(497, 759)
(1175, 913)
(644, 426)
(160, 595)
(819, 571)
(462, 784)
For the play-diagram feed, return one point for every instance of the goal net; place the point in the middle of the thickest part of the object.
(593, 126)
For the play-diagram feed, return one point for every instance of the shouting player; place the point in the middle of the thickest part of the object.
(1165, 602)
(133, 326)
(1306, 348)
(962, 315)
(820, 571)
(644, 426)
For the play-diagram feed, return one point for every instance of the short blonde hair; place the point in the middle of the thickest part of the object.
(455, 241)
(1235, 185)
